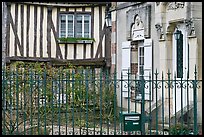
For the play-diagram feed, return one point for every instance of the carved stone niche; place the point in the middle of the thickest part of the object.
(144, 13)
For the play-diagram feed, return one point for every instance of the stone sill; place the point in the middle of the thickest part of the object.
(77, 42)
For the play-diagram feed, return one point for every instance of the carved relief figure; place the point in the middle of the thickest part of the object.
(138, 24)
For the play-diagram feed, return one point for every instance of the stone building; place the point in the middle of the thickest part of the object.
(143, 39)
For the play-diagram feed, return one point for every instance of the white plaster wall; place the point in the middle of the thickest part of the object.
(53, 43)
(31, 32)
(19, 29)
(79, 52)
(88, 9)
(88, 51)
(24, 29)
(45, 34)
(62, 48)
(70, 53)
(96, 29)
(38, 33)
(11, 47)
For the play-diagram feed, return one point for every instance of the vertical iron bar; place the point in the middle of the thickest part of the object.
(38, 104)
(100, 101)
(150, 98)
(115, 100)
(135, 92)
(121, 103)
(52, 100)
(175, 95)
(63, 101)
(163, 102)
(45, 84)
(17, 95)
(31, 101)
(182, 106)
(87, 100)
(80, 97)
(94, 94)
(24, 98)
(4, 101)
(169, 95)
(69, 91)
(128, 91)
(107, 99)
(156, 74)
(10, 97)
(143, 117)
(187, 99)
(195, 102)
(66, 100)
(59, 105)
(73, 97)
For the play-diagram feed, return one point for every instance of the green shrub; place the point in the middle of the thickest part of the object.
(179, 129)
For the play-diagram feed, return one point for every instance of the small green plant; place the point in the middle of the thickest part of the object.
(73, 39)
(179, 129)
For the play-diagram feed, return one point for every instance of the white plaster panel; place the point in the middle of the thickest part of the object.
(103, 47)
(45, 33)
(24, 30)
(88, 51)
(11, 46)
(62, 48)
(70, 54)
(62, 9)
(96, 29)
(31, 32)
(79, 51)
(78, 9)
(53, 43)
(38, 33)
(71, 9)
(19, 29)
(53, 46)
(88, 9)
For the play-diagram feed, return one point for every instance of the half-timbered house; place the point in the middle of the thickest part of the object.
(58, 33)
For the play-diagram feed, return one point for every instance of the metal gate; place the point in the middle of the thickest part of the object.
(95, 102)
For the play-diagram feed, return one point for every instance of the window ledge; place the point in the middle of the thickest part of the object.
(77, 42)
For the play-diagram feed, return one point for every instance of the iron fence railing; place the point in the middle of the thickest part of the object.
(88, 102)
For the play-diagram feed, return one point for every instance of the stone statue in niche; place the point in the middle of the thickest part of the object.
(138, 24)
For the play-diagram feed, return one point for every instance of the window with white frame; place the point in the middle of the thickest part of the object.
(75, 25)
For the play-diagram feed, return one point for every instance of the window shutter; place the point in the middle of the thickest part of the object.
(147, 65)
(126, 52)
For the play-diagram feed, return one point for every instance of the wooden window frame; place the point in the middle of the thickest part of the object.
(74, 22)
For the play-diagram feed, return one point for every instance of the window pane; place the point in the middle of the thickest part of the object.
(63, 25)
(70, 26)
(141, 51)
(79, 26)
(141, 60)
(86, 26)
(141, 69)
